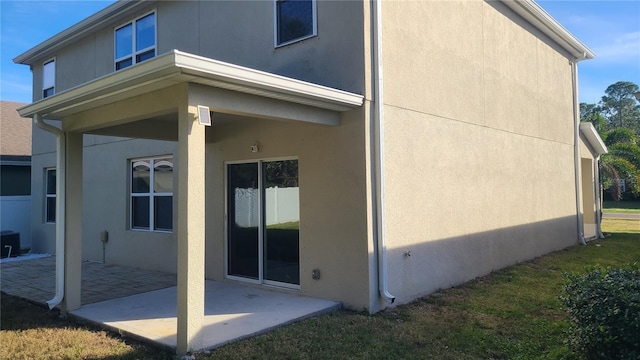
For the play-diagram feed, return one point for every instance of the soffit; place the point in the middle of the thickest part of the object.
(179, 67)
(593, 138)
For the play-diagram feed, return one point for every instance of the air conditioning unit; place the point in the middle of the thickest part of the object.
(9, 243)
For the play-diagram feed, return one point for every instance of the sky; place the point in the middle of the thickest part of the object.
(609, 28)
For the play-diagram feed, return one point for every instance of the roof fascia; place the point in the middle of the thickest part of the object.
(595, 141)
(71, 34)
(538, 17)
(179, 67)
(247, 80)
(153, 70)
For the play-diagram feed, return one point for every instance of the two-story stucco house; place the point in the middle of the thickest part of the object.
(359, 151)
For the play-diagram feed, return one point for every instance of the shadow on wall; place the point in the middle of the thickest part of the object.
(423, 268)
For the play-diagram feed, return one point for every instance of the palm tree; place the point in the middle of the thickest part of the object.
(622, 162)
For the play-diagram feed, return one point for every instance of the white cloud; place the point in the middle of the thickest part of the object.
(621, 49)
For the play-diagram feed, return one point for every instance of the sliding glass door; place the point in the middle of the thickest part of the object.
(263, 223)
(243, 220)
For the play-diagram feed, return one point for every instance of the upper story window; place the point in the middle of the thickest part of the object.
(295, 20)
(136, 41)
(49, 78)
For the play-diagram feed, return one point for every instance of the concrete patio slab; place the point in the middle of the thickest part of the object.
(232, 312)
(142, 303)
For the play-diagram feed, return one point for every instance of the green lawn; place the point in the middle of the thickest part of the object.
(28, 331)
(632, 207)
(510, 314)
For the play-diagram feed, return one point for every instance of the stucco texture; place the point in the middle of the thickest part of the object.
(333, 222)
(479, 144)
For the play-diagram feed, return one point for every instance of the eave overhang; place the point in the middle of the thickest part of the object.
(538, 17)
(593, 138)
(178, 67)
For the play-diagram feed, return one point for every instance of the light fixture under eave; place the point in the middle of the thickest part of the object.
(204, 116)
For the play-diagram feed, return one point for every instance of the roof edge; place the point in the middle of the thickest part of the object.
(593, 138)
(179, 67)
(262, 80)
(81, 28)
(538, 17)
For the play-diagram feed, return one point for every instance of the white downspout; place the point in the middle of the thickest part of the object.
(60, 206)
(576, 150)
(596, 167)
(379, 159)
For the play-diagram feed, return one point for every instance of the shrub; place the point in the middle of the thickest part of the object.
(604, 310)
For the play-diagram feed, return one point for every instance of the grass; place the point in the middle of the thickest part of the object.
(513, 313)
(28, 331)
(629, 226)
(625, 207)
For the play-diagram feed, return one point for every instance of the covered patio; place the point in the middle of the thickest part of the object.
(163, 98)
(142, 303)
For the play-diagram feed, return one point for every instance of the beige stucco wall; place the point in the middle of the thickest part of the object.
(239, 32)
(42, 234)
(333, 219)
(479, 143)
(105, 204)
(333, 192)
(588, 198)
(588, 189)
(106, 177)
(331, 159)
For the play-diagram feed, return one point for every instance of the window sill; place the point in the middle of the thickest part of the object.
(290, 42)
(152, 231)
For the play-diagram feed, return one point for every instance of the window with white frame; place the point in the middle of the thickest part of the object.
(49, 78)
(152, 194)
(50, 196)
(295, 20)
(136, 41)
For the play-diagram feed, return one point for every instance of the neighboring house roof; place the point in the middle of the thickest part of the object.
(15, 132)
(528, 9)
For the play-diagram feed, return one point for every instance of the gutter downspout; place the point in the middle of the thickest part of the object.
(596, 167)
(60, 206)
(379, 159)
(576, 150)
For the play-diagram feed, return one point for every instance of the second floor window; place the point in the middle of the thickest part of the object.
(135, 42)
(49, 78)
(295, 20)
